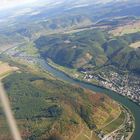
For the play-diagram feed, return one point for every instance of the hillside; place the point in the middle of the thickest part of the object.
(95, 47)
(51, 109)
(87, 40)
(44, 18)
(75, 50)
(128, 58)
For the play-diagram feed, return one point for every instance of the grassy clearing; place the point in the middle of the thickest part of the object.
(135, 45)
(87, 134)
(115, 124)
(71, 72)
(28, 48)
(102, 119)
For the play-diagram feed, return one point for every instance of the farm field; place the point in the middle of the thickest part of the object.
(6, 69)
(129, 28)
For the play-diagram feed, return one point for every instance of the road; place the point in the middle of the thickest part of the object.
(111, 121)
(110, 135)
(8, 113)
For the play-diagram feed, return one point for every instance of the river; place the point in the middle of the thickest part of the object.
(135, 109)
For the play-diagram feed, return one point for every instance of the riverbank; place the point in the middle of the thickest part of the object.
(124, 101)
(73, 73)
(52, 69)
(126, 128)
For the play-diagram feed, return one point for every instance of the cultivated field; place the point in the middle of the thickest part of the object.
(5, 69)
(131, 27)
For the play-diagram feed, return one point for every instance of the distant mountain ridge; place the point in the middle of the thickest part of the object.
(36, 23)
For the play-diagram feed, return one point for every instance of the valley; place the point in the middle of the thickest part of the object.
(37, 90)
(97, 64)
(123, 84)
(71, 70)
(27, 56)
(105, 125)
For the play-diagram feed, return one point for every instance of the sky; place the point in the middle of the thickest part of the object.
(11, 3)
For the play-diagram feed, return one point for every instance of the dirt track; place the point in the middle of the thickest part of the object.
(8, 113)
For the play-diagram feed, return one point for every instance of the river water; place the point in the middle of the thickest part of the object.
(135, 109)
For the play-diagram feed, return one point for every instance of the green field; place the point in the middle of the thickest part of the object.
(115, 124)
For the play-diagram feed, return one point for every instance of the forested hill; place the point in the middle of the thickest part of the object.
(94, 47)
(46, 108)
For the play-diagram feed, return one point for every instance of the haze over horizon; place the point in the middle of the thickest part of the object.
(5, 4)
(12, 3)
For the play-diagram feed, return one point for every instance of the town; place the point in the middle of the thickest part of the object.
(124, 84)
